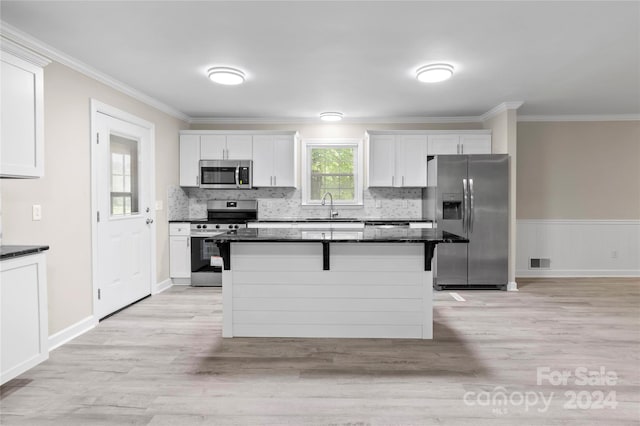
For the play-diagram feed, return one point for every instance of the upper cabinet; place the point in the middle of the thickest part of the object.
(460, 144)
(225, 147)
(189, 160)
(399, 158)
(274, 160)
(22, 118)
(273, 154)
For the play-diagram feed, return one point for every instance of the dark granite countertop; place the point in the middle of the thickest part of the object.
(390, 235)
(340, 220)
(316, 219)
(8, 252)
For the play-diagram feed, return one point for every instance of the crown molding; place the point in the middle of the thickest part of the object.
(499, 109)
(17, 37)
(346, 120)
(581, 117)
(19, 51)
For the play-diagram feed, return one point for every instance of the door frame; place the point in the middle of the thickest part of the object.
(102, 108)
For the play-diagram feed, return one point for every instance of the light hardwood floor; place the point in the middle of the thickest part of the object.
(163, 362)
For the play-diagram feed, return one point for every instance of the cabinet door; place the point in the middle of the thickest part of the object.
(189, 160)
(213, 147)
(262, 161)
(22, 127)
(180, 257)
(239, 147)
(475, 144)
(443, 144)
(412, 169)
(382, 156)
(284, 161)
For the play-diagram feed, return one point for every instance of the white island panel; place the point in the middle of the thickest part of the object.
(277, 289)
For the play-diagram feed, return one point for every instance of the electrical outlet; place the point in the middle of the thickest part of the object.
(36, 212)
(405, 204)
(158, 204)
(378, 204)
(614, 254)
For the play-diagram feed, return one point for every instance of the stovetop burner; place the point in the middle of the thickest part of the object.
(224, 216)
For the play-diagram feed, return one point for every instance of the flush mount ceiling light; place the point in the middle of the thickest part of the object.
(226, 75)
(331, 116)
(434, 73)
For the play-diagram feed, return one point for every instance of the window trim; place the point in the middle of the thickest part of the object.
(308, 144)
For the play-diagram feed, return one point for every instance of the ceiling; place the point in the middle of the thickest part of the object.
(303, 58)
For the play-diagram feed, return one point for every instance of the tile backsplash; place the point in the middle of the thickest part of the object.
(277, 203)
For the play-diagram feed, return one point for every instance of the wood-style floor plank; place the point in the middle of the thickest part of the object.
(163, 362)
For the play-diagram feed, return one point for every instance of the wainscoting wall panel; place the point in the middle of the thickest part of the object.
(578, 248)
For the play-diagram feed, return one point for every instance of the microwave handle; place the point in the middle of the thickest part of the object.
(238, 175)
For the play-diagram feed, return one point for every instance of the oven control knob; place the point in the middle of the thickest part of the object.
(199, 226)
(237, 227)
(217, 226)
(230, 226)
(204, 226)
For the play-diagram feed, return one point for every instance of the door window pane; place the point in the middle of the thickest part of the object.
(124, 176)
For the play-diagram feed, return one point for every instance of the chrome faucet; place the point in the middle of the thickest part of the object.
(332, 213)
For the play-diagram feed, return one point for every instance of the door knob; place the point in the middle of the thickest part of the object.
(149, 221)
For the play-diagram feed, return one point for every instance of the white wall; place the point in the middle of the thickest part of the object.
(64, 191)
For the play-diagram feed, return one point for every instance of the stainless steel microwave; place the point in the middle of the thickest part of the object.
(226, 174)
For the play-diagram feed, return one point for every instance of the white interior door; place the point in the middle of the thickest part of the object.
(123, 197)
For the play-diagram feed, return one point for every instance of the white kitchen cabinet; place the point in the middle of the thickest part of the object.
(22, 118)
(443, 144)
(24, 333)
(475, 144)
(274, 160)
(460, 144)
(382, 160)
(397, 160)
(179, 250)
(225, 147)
(189, 160)
(411, 161)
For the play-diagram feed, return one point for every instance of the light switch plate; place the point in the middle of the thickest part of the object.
(158, 205)
(36, 212)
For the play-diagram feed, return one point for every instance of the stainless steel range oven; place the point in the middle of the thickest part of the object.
(222, 216)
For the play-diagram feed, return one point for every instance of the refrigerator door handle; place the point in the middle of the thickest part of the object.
(464, 206)
(471, 206)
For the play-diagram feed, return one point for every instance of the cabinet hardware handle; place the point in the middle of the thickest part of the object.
(402, 180)
(197, 180)
(274, 180)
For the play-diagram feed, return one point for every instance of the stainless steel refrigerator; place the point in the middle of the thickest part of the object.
(468, 195)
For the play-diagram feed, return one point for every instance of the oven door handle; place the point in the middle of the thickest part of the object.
(238, 175)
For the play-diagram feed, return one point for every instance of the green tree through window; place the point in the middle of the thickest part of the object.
(332, 170)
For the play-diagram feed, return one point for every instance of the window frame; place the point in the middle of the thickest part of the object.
(309, 144)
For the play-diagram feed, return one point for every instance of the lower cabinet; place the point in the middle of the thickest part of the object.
(24, 330)
(179, 251)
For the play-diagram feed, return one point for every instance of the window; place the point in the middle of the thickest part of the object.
(124, 176)
(335, 166)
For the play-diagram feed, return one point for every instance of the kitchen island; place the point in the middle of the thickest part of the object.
(369, 282)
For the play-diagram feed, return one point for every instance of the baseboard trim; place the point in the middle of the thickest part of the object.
(66, 335)
(181, 281)
(162, 286)
(577, 273)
